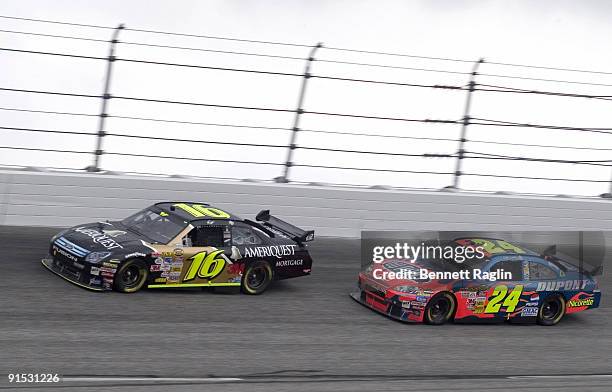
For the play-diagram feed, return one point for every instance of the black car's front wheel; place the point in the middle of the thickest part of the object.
(256, 278)
(551, 310)
(440, 309)
(131, 276)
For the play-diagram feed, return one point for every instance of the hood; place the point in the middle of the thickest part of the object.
(100, 237)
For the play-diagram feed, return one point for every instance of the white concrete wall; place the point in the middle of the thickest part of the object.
(66, 199)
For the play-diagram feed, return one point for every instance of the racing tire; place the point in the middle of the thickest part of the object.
(551, 310)
(131, 276)
(257, 277)
(440, 309)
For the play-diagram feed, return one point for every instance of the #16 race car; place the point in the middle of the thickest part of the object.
(181, 244)
(542, 288)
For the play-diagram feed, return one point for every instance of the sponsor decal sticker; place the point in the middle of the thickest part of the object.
(95, 271)
(277, 251)
(529, 311)
(99, 238)
(575, 303)
(174, 276)
(155, 267)
(289, 263)
(562, 285)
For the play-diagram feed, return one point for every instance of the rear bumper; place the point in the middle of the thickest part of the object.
(82, 278)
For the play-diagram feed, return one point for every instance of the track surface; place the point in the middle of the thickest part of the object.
(303, 334)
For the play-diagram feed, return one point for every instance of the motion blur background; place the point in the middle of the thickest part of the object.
(382, 75)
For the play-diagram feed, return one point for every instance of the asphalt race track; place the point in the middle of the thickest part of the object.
(303, 334)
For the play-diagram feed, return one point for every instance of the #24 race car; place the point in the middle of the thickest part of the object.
(543, 288)
(181, 244)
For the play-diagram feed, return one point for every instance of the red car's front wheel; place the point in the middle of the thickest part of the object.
(440, 309)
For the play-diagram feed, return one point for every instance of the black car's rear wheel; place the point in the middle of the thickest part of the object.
(131, 276)
(440, 309)
(551, 310)
(256, 278)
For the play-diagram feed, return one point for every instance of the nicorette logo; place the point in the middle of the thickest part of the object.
(277, 251)
(580, 302)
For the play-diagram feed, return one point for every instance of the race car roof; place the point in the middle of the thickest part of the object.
(190, 211)
(495, 246)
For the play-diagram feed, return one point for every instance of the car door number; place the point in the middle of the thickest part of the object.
(205, 266)
(501, 297)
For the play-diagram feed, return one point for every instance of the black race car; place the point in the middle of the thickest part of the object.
(181, 244)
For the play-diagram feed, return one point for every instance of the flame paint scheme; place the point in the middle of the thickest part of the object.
(537, 282)
(180, 244)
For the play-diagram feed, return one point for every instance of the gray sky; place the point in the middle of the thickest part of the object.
(549, 33)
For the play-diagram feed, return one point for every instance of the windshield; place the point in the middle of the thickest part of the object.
(158, 226)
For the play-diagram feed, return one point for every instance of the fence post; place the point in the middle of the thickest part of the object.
(465, 123)
(298, 113)
(105, 98)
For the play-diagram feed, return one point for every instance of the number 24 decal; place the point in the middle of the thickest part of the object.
(510, 300)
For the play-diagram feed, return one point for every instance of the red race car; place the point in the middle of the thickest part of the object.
(507, 283)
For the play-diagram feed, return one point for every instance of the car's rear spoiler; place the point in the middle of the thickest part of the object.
(551, 255)
(273, 223)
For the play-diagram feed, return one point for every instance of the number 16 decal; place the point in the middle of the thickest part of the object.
(205, 266)
(509, 301)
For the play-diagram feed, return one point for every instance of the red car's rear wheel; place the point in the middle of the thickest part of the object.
(551, 310)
